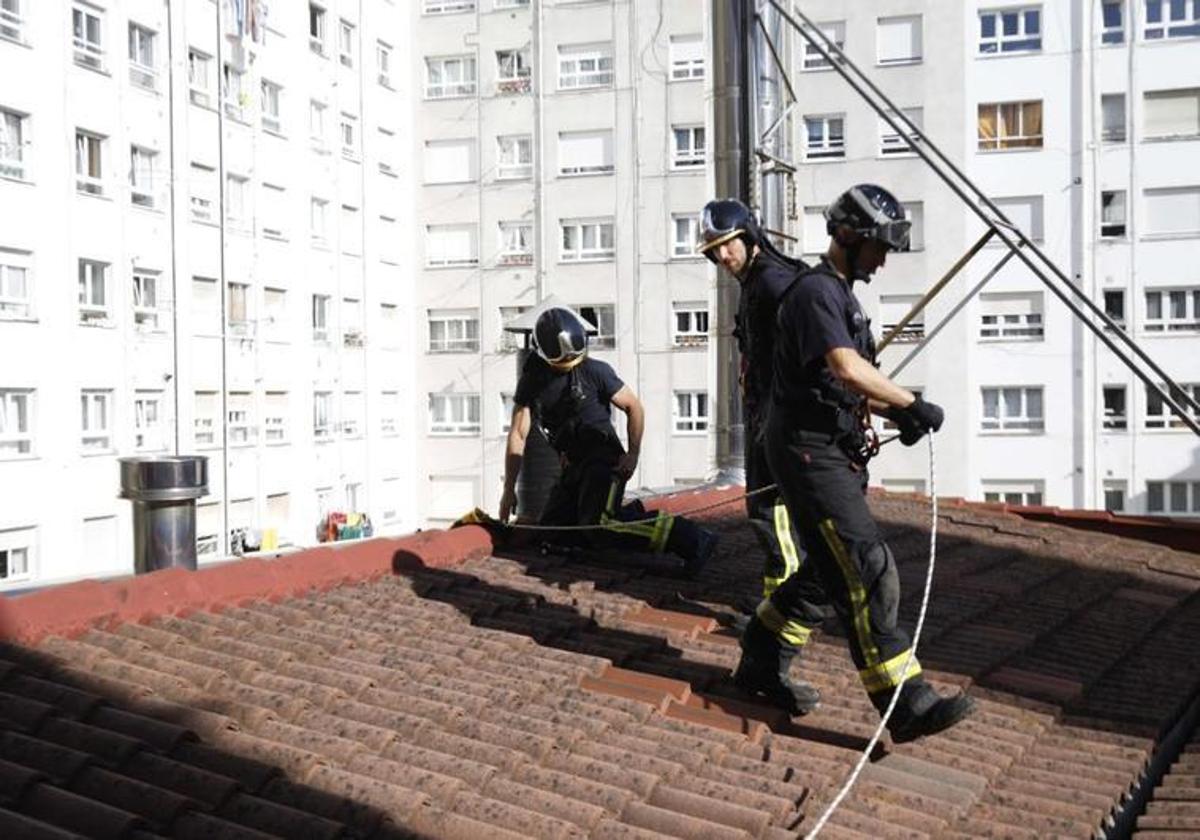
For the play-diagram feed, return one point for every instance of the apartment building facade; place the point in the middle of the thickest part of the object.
(203, 224)
(1082, 122)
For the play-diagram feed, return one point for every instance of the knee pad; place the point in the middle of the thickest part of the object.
(880, 578)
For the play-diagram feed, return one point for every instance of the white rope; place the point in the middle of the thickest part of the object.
(912, 652)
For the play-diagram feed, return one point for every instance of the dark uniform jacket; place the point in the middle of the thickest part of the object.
(819, 313)
(573, 409)
(758, 306)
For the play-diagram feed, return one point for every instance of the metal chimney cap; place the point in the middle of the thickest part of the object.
(164, 478)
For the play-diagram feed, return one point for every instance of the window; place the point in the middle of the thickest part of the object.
(17, 552)
(10, 20)
(835, 31)
(16, 422)
(346, 43)
(241, 430)
(513, 71)
(316, 124)
(916, 233)
(1114, 305)
(687, 57)
(146, 302)
(892, 142)
(1112, 111)
(689, 323)
(813, 233)
(451, 245)
(687, 234)
(204, 425)
(585, 152)
(352, 322)
(448, 7)
(318, 225)
(16, 286)
(316, 28)
(353, 411)
(275, 313)
(203, 193)
(389, 413)
(510, 341)
(233, 93)
(825, 137)
(206, 306)
(892, 309)
(278, 516)
(585, 66)
(516, 243)
(1174, 211)
(383, 63)
(12, 143)
(237, 307)
(1014, 492)
(89, 158)
(1012, 409)
(273, 212)
(1010, 125)
(389, 241)
(507, 405)
(1010, 30)
(687, 146)
(322, 415)
(200, 78)
(454, 414)
(97, 422)
(514, 156)
(1112, 22)
(450, 161)
(271, 94)
(1112, 213)
(691, 412)
(604, 318)
(1173, 497)
(148, 425)
(1172, 310)
(1172, 19)
(1011, 316)
(1172, 114)
(389, 320)
(351, 231)
(453, 331)
(1161, 416)
(1114, 496)
(1026, 212)
(320, 317)
(141, 176)
(141, 57)
(449, 77)
(93, 291)
(586, 239)
(1116, 416)
(235, 200)
(899, 39)
(87, 26)
(509, 4)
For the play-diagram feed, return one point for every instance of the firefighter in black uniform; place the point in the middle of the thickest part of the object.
(824, 387)
(732, 238)
(568, 396)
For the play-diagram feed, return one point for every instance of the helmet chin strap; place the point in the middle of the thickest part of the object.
(854, 272)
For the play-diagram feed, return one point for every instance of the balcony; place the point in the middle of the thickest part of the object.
(516, 258)
(514, 86)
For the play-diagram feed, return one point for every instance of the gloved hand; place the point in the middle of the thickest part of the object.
(917, 419)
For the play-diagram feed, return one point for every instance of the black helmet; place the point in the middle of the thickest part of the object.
(560, 338)
(872, 212)
(724, 219)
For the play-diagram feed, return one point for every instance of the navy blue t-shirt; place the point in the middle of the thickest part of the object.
(758, 307)
(564, 404)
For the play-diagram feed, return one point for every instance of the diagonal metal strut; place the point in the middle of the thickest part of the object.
(999, 224)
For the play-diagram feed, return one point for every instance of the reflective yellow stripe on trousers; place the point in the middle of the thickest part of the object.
(792, 632)
(655, 532)
(791, 557)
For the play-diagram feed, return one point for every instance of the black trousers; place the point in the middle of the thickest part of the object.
(846, 554)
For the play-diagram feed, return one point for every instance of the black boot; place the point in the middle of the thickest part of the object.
(763, 671)
(693, 543)
(921, 711)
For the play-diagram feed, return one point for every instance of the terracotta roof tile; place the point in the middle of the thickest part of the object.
(675, 824)
(18, 825)
(77, 813)
(273, 818)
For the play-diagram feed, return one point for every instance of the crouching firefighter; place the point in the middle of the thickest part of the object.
(568, 396)
(818, 445)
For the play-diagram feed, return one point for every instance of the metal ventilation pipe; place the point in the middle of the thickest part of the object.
(730, 23)
(164, 492)
(768, 110)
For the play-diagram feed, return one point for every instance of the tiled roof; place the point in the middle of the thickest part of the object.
(421, 687)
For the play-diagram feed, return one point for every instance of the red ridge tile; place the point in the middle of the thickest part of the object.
(754, 730)
(676, 689)
(652, 697)
(676, 622)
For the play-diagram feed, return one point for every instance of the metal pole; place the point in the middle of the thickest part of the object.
(920, 305)
(836, 58)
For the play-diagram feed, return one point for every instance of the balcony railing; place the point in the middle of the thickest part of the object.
(515, 258)
(88, 54)
(142, 76)
(519, 85)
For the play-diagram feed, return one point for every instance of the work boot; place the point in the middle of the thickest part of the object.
(693, 543)
(763, 671)
(922, 711)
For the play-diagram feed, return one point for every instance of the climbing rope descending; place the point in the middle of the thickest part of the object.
(912, 652)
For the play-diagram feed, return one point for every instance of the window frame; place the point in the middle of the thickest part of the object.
(695, 420)
(142, 39)
(271, 107)
(466, 85)
(91, 312)
(919, 42)
(1113, 420)
(88, 54)
(20, 404)
(1012, 424)
(685, 249)
(1160, 417)
(1010, 142)
(693, 156)
(146, 317)
(12, 154)
(97, 406)
(683, 68)
(1164, 30)
(827, 148)
(464, 322)
(1168, 324)
(572, 75)
(471, 259)
(1112, 34)
(812, 61)
(455, 428)
(87, 183)
(149, 436)
(891, 144)
(604, 227)
(14, 307)
(509, 171)
(12, 23)
(695, 333)
(1022, 40)
(23, 540)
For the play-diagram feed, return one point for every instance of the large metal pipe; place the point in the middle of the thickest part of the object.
(164, 492)
(732, 147)
(769, 110)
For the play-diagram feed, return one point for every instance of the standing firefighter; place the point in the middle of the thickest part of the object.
(818, 447)
(732, 238)
(567, 395)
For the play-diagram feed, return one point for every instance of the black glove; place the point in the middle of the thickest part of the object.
(917, 419)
